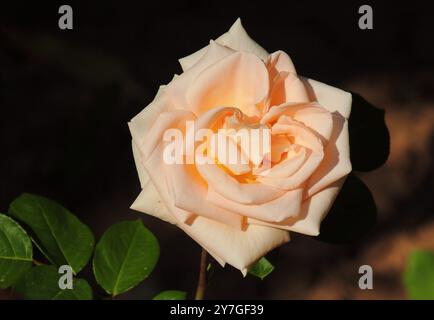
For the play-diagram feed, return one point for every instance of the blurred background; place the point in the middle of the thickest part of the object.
(66, 97)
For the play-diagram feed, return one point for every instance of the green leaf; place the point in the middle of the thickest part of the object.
(15, 251)
(42, 283)
(262, 268)
(63, 238)
(171, 295)
(352, 215)
(126, 254)
(419, 275)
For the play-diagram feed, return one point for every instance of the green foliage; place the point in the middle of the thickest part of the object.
(262, 268)
(171, 295)
(419, 275)
(126, 254)
(63, 238)
(41, 283)
(15, 251)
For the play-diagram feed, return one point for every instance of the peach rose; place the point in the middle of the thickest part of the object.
(239, 212)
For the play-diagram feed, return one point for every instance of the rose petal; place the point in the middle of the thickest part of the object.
(149, 202)
(297, 179)
(287, 87)
(336, 163)
(177, 89)
(313, 211)
(142, 122)
(296, 157)
(279, 145)
(189, 193)
(276, 210)
(207, 121)
(236, 38)
(331, 98)
(230, 188)
(167, 120)
(303, 137)
(226, 244)
(313, 115)
(279, 61)
(154, 165)
(152, 153)
(238, 80)
(239, 248)
(143, 175)
(226, 151)
(190, 60)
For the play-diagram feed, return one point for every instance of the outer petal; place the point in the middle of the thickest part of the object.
(150, 202)
(313, 211)
(140, 126)
(331, 98)
(178, 88)
(152, 157)
(236, 247)
(143, 175)
(190, 60)
(142, 122)
(336, 163)
(236, 38)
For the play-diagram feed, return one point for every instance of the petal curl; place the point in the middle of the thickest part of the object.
(314, 154)
(313, 115)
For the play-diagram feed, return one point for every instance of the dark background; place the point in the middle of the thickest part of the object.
(66, 97)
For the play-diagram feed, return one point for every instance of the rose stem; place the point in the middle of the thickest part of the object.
(201, 285)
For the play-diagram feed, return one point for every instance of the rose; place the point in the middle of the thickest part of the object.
(239, 212)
